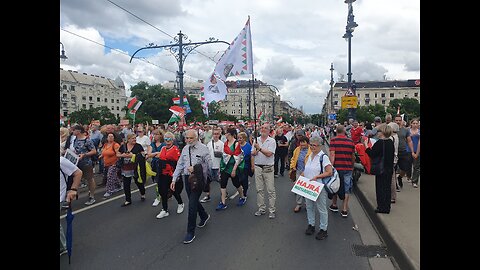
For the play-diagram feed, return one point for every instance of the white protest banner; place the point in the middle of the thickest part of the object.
(306, 188)
(70, 155)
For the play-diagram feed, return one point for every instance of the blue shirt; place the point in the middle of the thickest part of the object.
(247, 152)
(301, 159)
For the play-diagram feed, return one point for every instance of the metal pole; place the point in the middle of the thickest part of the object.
(180, 66)
(331, 88)
(273, 109)
(249, 102)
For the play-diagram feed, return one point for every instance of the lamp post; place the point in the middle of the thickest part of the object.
(180, 50)
(351, 24)
(273, 101)
(63, 57)
(332, 109)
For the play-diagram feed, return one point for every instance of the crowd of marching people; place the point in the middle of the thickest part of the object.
(169, 155)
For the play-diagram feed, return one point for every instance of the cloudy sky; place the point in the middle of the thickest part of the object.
(294, 42)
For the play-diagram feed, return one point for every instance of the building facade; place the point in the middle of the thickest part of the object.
(372, 92)
(240, 95)
(83, 91)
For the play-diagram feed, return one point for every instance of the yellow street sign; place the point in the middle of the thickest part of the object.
(349, 102)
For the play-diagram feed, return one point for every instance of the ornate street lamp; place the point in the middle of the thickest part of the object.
(63, 57)
(351, 24)
(180, 50)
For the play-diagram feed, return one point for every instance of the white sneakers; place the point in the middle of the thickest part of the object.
(156, 202)
(163, 214)
(180, 208)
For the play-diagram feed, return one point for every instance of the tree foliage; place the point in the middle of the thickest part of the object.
(85, 116)
(156, 101)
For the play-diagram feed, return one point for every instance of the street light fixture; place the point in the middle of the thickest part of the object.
(177, 49)
(273, 101)
(63, 57)
(351, 25)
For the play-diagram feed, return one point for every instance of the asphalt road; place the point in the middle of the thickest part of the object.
(107, 236)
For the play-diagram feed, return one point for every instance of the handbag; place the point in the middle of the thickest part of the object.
(195, 180)
(217, 154)
(378, 163)
(293, 175)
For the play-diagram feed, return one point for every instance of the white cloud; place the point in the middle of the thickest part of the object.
(294, 42)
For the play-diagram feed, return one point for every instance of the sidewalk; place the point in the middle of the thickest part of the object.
(400, 230)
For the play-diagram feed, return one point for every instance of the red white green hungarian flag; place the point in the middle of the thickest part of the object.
(178, 111)
(133, 106)
(173, 119)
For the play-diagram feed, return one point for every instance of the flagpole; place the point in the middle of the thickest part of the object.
(133, 125)
(254, 108)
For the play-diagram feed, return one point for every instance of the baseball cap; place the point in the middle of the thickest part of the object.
(377, 119)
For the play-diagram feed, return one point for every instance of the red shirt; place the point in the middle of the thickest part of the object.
(344, 149)
(169, 154)
(356, 133)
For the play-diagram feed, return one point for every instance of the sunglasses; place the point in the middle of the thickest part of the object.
(168, 139)
(191, 138)
(314, 145)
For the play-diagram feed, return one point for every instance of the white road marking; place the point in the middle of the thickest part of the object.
(105, 201)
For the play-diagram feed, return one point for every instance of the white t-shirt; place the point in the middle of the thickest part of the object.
(68, 168)
(218, 147)
(144, 141)
(270, 144)
(312, 167)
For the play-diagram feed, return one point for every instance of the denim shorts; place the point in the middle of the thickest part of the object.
(346, 180)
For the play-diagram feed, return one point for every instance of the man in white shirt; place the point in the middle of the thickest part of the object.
(264, 155)
(214, 146)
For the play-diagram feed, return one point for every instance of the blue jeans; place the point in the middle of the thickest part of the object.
(244, 180)
(194, 206)
(321, 205)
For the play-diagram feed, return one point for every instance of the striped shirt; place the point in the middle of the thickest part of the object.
(344, 149)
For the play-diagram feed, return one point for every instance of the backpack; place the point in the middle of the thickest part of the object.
(332, 183)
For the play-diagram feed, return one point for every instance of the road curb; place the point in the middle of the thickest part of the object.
(399, 258)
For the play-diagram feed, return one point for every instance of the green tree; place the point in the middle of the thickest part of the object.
(156, 102)
(408, 106)
(85, 116)
(197, 112)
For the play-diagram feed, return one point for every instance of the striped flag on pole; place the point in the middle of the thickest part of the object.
(133, 106)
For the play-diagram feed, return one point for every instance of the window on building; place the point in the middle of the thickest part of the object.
(383, 102)
(112, 100)
(91, 106)
(98, 99)
(64, 95)
(105, 100)
(118, 115)
(376, 95)
(72, 87)
(84, 98)
(335, 95)
(84, 106)
(90, 98)
(64, 105)
(118, 108)
(74, 99)
(406, 95)
(233, 111)
(118, 101)
(65, 87)
(392, 94)
(367, 95)
(383, 94)
(335, 102)
(113, 108)
(65, 113)
(367, 102)
(376, 102)
(415, 94)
